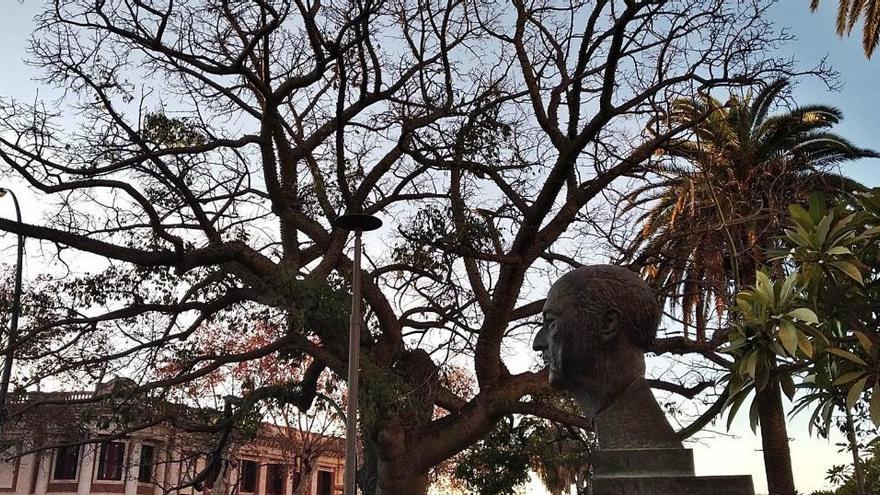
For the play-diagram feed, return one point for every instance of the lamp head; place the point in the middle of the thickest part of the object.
(3, 191)
(357, 222)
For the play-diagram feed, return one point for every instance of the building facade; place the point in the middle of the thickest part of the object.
(39, 460)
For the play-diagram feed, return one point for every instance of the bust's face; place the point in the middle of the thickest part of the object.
(567, 340)
(585, 341)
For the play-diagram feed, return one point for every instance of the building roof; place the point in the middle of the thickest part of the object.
(111, 411)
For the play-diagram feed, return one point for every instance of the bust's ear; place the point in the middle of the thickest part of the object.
(610, 325)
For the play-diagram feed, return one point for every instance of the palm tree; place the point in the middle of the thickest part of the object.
(722, 192)
(848, 14)
(718, 204)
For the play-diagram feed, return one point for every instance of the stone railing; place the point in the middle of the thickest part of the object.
(49, 396)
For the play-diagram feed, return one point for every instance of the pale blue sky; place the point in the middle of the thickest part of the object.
(859, 100)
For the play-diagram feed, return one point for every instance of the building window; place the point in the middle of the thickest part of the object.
(275, 477)
(325, 483)
(66, 462)
(111, 459)
(249, 476)
(145, 468)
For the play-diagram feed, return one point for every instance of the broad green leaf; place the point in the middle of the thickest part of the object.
(850, 270)
(864, 341)
(875, 406)
(787, 385)
(855, 391)
(848, 377)
(776, 348)
(753, 415)
(822, 230)
(847, 355)
(814, 419)
(762, 374)
(735, 383)
(764, 288)
(805, 344)
(868, 234)
(838, 250)
(801, 216)
(797, 238)
(745, 297)
(746, 309)
(750, 363)
(735, 403)
(804, 314)
(827, 412)
(788, 337)
(744, 363)
(788, 288)
(816, 204)
(840, 229)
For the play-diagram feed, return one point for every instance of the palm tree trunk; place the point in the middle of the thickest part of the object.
(774, 432)
(774, 438)
(854, 447)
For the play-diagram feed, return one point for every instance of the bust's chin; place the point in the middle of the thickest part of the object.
(590, 395)
(563, 379)
(587, 393)
(557, 380)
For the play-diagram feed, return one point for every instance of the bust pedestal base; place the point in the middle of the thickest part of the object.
(659, 472)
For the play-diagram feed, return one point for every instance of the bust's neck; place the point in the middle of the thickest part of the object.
(633, 419)
(612, 372)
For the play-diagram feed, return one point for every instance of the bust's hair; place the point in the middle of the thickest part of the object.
(603, 287)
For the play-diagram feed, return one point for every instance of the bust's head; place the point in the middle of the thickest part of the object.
(598, 321)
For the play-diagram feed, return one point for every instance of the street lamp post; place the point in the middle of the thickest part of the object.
(16, 310)
(357, 223)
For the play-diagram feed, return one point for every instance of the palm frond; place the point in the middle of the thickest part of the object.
(723, 194)
(763, 101)
(848, 14)
(855, 11)
(871, 28)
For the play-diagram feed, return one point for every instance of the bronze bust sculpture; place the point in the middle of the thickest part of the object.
(598, 322)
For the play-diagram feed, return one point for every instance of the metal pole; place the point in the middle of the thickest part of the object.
(357, 223)
(354, 340)
(16, 309)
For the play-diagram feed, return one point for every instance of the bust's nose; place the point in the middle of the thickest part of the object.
(540, 342)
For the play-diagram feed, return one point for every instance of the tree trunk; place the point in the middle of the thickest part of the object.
(396, 473)
(774, 437)
(395, 481)
(854, 447)
(300, 488)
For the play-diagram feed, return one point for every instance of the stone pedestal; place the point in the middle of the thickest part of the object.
(659, 472)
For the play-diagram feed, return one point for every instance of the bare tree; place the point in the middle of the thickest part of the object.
(310, 436)
(203, 149)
